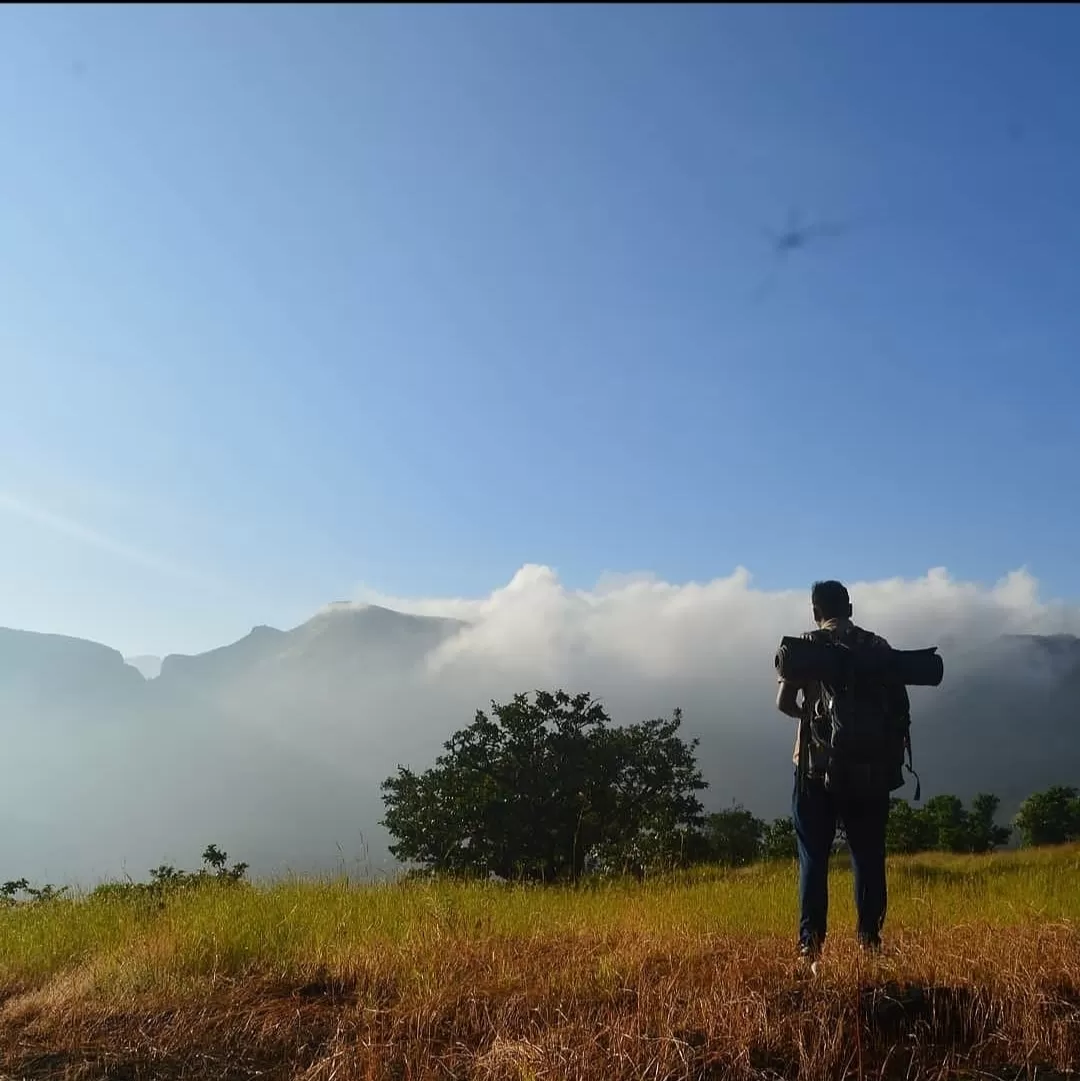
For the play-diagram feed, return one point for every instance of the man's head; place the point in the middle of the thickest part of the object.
(830, 600)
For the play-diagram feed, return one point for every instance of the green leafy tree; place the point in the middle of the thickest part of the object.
(908, 830)
(1051, 817)
(544, 787)
(945, 825)
(947, 820)
(983, 834)
(778, 841)
(733, 837)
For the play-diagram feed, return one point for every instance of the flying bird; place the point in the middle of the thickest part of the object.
(792, 237)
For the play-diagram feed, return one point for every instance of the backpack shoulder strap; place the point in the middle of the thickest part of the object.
(902, 702)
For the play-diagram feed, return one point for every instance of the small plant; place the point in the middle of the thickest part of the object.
(213, 857)
(9, 893)
(46, 893)
(166, 880)
(778, 842)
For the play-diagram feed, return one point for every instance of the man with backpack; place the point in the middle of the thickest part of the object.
(849, 759)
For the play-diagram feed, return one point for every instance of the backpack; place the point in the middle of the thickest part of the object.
(863, 725)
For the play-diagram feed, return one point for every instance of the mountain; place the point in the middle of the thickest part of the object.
(342, 640)
(274, 746)
(69, 666)
(147, 667)
(1011, 726)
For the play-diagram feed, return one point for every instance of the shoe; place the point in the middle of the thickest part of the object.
(810, 956)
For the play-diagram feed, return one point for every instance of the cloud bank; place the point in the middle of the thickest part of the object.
(662, 630)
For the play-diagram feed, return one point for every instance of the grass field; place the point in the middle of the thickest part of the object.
(693, 977)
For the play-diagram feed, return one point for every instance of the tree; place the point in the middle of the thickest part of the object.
(779, 841)
(733, 837)
(1051, 817)
(945, 825)
(947, 820)
(983, 834)
(908, 830)
(542, 788)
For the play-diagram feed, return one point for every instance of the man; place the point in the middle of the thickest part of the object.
(820, 802)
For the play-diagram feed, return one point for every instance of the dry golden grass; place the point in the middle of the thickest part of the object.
(693, 977)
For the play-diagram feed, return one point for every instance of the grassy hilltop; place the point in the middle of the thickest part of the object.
(687, 977)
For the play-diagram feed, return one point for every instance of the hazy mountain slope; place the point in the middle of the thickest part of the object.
(69, 667)
(273, 745)
(340, 642)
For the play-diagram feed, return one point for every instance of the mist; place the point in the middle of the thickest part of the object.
(274, 747)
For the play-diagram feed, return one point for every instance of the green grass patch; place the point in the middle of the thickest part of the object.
(286, 929)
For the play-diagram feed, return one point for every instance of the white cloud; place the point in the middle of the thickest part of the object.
(663, 630)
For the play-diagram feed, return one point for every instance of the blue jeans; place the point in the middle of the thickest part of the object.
(817, 812)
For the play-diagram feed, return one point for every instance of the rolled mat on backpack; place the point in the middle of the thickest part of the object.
(799, 660)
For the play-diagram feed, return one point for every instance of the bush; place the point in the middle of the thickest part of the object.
(166, 880)
(1051, 817)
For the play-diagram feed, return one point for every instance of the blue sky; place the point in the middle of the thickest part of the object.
(298, 298)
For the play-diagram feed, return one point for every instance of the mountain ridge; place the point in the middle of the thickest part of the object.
(1057, 644)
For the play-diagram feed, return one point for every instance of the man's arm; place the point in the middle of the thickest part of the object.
(787, 696)
(901, 702)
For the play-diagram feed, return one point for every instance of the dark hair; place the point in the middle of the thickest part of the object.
(830, 600)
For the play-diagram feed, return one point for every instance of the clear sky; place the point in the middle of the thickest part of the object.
(295, 299)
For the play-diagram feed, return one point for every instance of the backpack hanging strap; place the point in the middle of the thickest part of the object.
(909, 766)
(803, 768)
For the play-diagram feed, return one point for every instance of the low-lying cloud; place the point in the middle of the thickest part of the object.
(666, 631)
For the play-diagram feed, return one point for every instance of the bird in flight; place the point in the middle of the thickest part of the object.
(795, 235)
(792, 237)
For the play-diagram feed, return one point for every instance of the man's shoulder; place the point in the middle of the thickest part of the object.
(868, 637)
(851, 634)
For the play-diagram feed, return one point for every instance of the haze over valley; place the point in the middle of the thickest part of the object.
(274, 746)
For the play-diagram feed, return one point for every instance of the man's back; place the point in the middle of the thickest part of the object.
(887, 704)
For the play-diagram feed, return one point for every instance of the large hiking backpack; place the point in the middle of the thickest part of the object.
(862, 723)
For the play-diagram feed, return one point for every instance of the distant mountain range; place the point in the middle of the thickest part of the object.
(274, 746)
